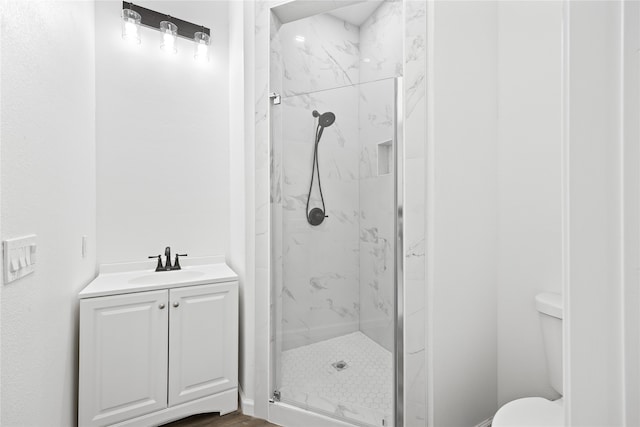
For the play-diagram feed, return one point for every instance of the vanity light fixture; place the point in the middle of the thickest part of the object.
(202, 40)
(170, 29)
(131, 26)
(169, 32)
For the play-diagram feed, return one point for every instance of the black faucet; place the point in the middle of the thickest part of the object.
(167, 265)
(167, 253)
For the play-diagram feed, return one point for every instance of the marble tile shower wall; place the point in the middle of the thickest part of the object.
(322, 296)
(414, 26)
(415, 200)
(317, 279)
(320, 276)
(380, 58)
(320, 52)
(377, 211)
(276, 197)
(381, 43)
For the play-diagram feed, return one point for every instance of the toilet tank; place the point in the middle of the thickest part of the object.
(549, 305)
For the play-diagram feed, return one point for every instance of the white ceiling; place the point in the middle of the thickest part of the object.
(353, 11)
(293, 10)
(358, 13)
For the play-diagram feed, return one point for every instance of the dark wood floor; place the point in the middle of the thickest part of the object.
(234, 419)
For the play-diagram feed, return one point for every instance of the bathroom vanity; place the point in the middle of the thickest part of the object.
(158, 346)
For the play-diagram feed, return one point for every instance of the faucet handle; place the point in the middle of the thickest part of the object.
(159, 266)
(176, 264)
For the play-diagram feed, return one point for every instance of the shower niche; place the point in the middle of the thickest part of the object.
(385, 158)
(334, 283)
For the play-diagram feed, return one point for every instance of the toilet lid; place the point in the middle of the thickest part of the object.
(530, 412)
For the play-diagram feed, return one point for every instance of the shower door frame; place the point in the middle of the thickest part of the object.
(398, 341)
(398, 354)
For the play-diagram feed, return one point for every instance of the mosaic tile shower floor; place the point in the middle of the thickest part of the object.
(313, 376)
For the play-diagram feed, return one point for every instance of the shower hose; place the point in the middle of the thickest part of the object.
(317, 215)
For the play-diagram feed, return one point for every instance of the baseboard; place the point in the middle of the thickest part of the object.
(485, 423)
(246, 405)
(223, 402)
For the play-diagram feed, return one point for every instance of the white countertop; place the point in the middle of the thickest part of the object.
(115, 279)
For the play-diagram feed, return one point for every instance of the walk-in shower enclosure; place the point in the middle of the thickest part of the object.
(336, 332)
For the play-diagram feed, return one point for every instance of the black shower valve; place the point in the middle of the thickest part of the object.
(316, 216)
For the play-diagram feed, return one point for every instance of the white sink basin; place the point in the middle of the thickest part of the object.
(166, 277)
(116, 279)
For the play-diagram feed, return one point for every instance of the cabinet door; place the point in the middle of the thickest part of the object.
(203, 341)
(123, 357)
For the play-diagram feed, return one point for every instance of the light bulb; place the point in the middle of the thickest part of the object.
(169, 42)
(169, 32)
(201, 51)
(130, 26)
(202, 41)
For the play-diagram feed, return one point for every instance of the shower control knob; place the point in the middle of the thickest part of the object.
(176, 304)
(316, 216)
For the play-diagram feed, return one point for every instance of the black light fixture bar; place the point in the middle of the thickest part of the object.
(151, 18)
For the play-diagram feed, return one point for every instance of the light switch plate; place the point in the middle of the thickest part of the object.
(19, 256)
(84, 246)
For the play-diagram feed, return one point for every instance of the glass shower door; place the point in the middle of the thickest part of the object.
(333, 247)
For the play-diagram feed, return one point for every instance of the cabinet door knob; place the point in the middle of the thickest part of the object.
(176, 304)
(161, 306)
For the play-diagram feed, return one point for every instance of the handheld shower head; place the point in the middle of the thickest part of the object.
(326, 119)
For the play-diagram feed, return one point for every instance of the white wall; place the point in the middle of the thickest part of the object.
(631, 183)
(462, 202)
(2, 13)
(248, 380)
(48, 188)
(162, 126)
(259, 246)
(239, 178)
(593, 348)
(589, 163)
(529, 202)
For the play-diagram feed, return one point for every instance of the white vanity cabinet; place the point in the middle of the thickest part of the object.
(158, 352)
(123, 357)
(202, 328)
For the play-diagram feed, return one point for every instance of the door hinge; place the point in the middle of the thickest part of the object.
(275, 397)
(275, 98)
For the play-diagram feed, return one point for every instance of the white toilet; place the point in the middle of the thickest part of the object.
(537, 411)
